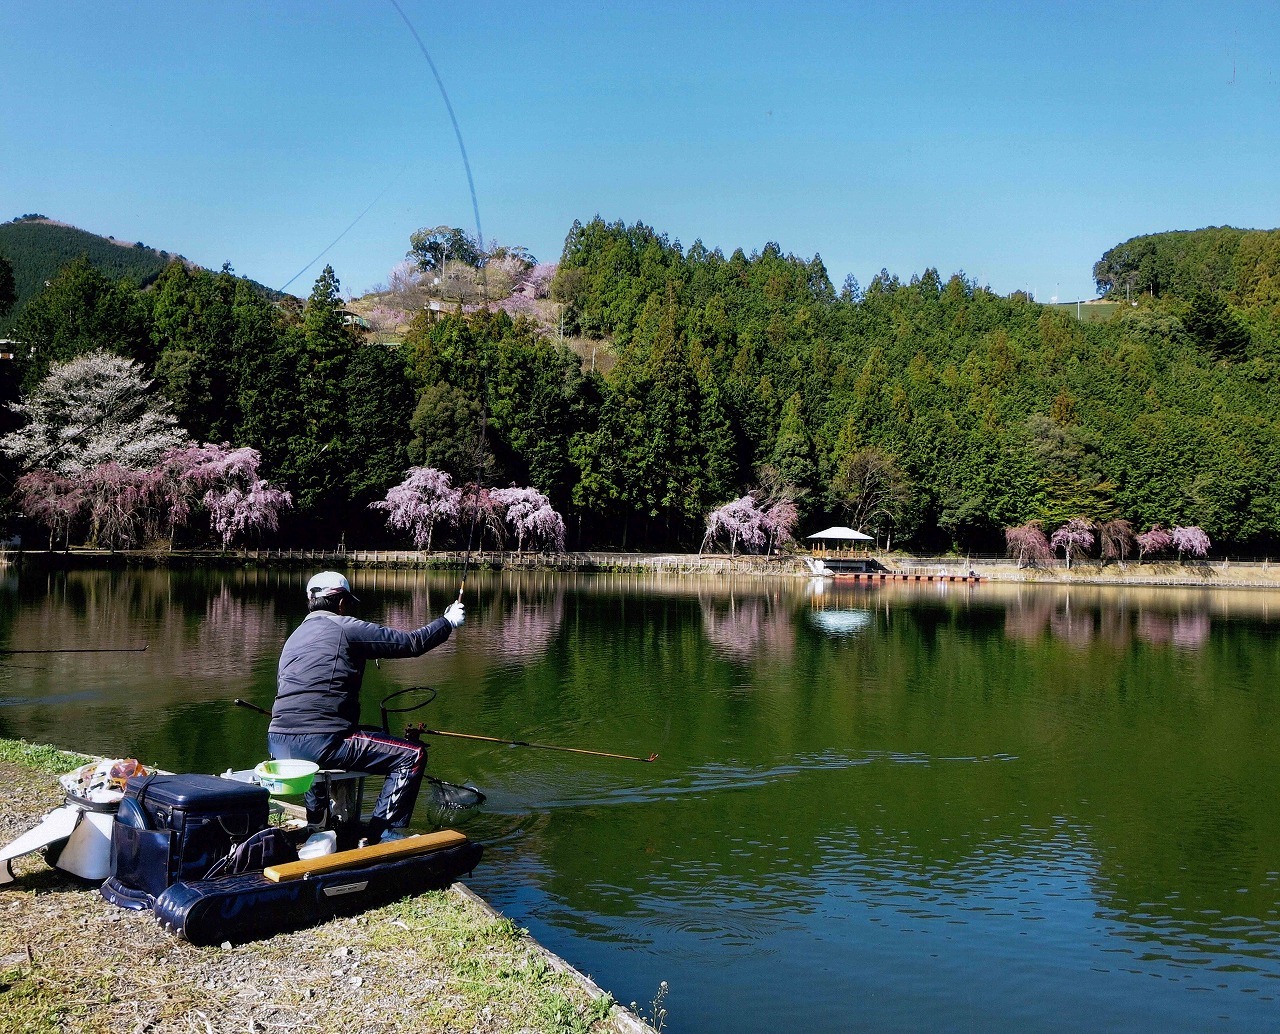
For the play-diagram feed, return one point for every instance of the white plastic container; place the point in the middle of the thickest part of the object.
(319, 844)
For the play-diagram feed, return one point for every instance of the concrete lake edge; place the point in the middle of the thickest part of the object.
(1208, 574)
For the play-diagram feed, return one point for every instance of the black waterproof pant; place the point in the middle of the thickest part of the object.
(401, 762)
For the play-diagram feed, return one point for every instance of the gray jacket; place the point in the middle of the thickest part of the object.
(322, 667)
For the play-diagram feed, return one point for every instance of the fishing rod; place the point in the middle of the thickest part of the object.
(428, 694)
(484, 285)
(461, 147)
(475, 492)
(78, 649)
(252, 707)
(415, 731)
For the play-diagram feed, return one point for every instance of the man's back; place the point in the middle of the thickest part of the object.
(318, 688)
(322, 667)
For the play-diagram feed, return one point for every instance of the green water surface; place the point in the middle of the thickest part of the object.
(874, 808)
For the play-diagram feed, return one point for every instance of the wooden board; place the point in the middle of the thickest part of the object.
(365, 855)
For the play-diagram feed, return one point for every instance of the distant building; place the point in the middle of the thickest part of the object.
(354, 319)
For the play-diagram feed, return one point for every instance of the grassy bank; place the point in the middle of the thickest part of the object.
(440, 961)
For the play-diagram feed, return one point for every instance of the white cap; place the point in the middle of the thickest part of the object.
(329, 583)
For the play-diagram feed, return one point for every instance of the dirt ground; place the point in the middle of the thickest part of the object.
(440, 961)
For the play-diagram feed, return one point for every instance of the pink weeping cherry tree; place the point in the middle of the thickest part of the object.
(1075, 539)
(530, 516)
(740, 522)
(1028, 544)
(1190, 541)
(425, 498)
(241, 509)
(779, 523)
(52, 499)
(479, 515)
(1153, 543)
(227, 482)
(125, 504)
(116, 499)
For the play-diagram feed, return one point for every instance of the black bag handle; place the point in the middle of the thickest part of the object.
(143, 785)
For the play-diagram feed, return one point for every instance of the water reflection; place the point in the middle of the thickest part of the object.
(1116, 622)
(743, 628)
(1188, 631)
(841, 623)
(862, 790)
(521, 624)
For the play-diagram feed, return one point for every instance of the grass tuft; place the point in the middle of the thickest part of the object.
(40, 757)
(28, 1004)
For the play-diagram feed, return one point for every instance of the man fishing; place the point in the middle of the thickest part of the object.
(316, 714)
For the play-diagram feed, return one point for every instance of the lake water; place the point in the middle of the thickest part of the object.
(952, 808)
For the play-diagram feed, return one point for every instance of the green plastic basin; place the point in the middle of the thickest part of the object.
(284, 778)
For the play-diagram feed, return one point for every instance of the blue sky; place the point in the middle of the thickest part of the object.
(1014, 142)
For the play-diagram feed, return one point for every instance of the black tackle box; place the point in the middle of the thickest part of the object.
(175, 827)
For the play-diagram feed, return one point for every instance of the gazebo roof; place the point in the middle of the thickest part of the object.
(842, 533)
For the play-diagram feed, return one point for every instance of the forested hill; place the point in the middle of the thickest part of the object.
(38, 248)
(932, 411)
(1243, 265)
(933, 408)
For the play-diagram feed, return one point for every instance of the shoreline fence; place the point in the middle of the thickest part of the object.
(651, 563)
(1224, 573)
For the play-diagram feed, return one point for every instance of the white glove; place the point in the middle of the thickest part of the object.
(454, 614)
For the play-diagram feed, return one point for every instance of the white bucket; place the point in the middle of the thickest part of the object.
(88, 850)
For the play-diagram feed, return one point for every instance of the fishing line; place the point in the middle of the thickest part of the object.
(484, 287)
(466, 164)
(457, 132)
(484, 278)
(346, 231)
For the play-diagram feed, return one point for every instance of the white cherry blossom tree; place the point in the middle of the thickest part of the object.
(94, 409)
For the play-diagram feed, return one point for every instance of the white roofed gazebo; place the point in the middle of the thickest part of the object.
(838, 549)
(839, 534)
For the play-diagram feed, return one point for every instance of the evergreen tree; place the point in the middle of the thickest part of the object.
(792, 453)
(204, 328)
(446, 434)
(8, 288)
(323, 345)
(380, 405)
(1212, 326)
(79, 311)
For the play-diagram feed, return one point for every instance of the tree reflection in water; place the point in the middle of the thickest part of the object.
(750, 628)
(528, 622)
(1187, 631)
(175, 618)
(1114, 622)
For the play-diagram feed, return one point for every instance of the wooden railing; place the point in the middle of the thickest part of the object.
(672, 563)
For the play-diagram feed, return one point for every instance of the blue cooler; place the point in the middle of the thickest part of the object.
(175, 827)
